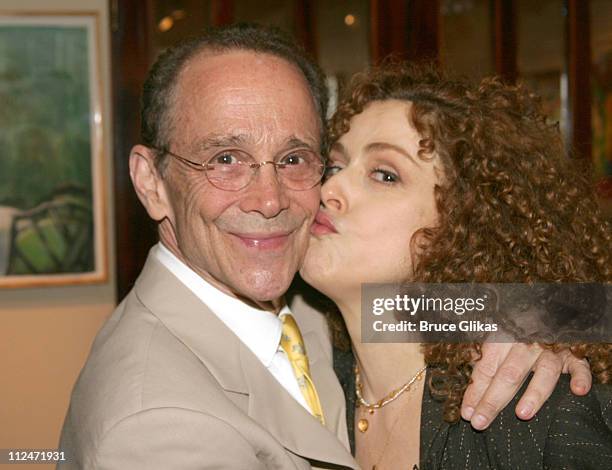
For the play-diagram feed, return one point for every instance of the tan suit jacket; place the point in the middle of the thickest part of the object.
(168, 386)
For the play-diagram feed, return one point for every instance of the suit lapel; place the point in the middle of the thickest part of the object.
(296, 429)
(238, 370)
(192, 323)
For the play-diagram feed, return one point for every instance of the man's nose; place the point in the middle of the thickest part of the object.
(265, 194)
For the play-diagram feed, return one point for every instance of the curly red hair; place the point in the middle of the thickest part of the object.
(513, 207)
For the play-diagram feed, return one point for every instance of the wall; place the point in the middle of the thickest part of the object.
(46, 333)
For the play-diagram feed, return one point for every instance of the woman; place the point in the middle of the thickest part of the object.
(434, 180)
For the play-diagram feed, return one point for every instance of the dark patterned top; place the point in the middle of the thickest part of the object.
(569, 432)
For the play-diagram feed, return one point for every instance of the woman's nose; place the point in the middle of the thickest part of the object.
(333, 194)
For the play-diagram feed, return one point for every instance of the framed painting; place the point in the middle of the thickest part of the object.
(52, 201)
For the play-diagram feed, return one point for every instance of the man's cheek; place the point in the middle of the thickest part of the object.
(314, 201)
(307, 201)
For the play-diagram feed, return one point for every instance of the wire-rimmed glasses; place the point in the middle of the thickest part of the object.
(233, 170)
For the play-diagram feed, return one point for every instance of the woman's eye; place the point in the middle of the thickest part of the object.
(331, 170)
(385, 176)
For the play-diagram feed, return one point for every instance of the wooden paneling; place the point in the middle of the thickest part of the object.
(405, 29)
(505, 39)
(423, 30)
(388, 28)
(222, 12)
(579, 77)
(305, 28)
(131, 26)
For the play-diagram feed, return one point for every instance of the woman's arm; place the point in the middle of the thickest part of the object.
(501, 371)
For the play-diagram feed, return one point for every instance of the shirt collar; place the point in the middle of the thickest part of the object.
(258, 329)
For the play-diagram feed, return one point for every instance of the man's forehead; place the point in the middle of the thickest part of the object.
(251, 142)
(246, 138)
(246, 97)
(255, 131)
(235, 70)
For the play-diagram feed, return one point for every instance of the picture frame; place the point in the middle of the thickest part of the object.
(52, 158)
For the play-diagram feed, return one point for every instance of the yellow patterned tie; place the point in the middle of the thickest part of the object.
(291, 341)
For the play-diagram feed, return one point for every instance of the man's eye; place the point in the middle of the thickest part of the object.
(384, 176)
(293, 159)
(224, 159)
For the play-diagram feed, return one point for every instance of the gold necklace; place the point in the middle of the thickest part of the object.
(363, 423)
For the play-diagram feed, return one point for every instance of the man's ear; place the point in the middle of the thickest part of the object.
(148, 183)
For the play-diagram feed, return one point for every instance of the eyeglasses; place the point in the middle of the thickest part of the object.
(233, 170)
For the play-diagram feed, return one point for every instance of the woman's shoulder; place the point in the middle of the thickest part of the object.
(580, 432)
(597, 400)
(567, 432)
(572, 413)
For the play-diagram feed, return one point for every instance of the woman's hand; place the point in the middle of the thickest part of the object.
(501, 371)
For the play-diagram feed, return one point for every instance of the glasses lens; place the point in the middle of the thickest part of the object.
(230, 171)
(300, 169)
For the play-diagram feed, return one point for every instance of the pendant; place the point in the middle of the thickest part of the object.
(363, 425)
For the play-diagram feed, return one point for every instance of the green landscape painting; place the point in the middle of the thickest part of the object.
(46, 157)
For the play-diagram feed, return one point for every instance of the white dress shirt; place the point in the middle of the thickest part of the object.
(259, 330)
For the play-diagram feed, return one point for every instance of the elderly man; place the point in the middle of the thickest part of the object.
(203, 365)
